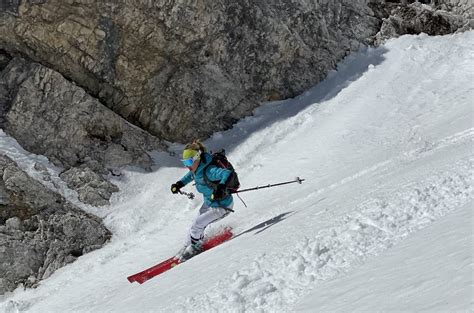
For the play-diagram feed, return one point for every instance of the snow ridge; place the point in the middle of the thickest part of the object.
(277, 281)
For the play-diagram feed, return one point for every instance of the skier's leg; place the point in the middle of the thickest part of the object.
(210, 215)
(205, 217)
(187, 241)
(201, 210)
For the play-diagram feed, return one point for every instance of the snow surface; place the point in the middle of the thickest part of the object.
(386, 147)
(427, 272)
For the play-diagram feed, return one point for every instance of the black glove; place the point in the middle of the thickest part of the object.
(219, 193)
(177, 186)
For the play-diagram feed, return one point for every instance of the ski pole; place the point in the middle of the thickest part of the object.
(297, 180)
(190, 195)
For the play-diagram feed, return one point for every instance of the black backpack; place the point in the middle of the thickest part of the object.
(219, 159)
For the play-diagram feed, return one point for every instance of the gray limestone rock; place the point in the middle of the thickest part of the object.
(39, 230)
(4, 200)
(186, 69)
(13, 223)
(92, 188)
(461, 7)
(49, 115)
(43, 171)
(4, 59)
(419, 18)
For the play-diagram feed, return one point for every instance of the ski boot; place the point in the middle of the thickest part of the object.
(188, 252)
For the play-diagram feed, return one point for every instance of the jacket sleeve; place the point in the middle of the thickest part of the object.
(218, 174)
(186, 179)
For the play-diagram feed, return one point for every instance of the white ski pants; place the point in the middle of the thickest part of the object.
(206, 216)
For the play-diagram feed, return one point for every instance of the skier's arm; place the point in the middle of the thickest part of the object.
(218, 174)
(186, 179)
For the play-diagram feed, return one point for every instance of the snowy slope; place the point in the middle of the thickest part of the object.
(430, 271)
(385, 146)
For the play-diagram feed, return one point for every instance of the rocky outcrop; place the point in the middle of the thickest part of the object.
(416, 18)
(460, 7)
(50, 115)
(39, 230)
(92, 188)
(183, 70)
(4, 59)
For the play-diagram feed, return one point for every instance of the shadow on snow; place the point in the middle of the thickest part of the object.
(267, 224)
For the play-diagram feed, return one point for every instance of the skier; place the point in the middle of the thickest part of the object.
(218, 203)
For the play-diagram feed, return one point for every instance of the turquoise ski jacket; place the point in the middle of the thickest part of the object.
(213, 173)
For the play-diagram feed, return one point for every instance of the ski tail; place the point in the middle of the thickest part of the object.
(151, 272)
(168, 264)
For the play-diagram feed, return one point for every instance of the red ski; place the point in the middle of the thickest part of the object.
(168, 264)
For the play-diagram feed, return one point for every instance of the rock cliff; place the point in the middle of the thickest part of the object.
(416, 18)
(50, 115)
(39, 230)
(182, 70)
